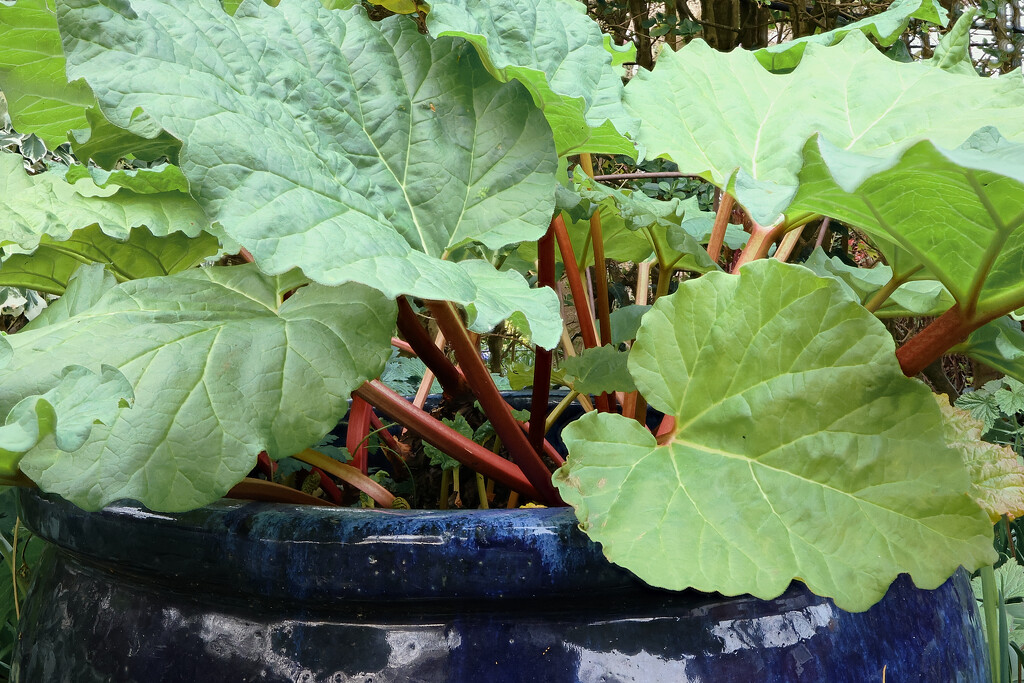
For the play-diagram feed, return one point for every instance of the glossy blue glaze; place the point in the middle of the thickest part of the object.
(258, 592)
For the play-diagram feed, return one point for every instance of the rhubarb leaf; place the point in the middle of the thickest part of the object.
(141, 254)
(159, 178)
(879, 165)
(885, 27)
(999, 345)
(79, 400)
(221, 370)
(86, 285)
(380, 149)
(42, 101)
(790, 411)
(913, 298)
(979, 257)
(598, 370)
(39, 98)
(559, 53)
(625, 322)
(32, 207)
(953, 53)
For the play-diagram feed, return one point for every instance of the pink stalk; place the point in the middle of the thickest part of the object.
(440, 435)
(542, 357)
(358, 432)
(492, 403)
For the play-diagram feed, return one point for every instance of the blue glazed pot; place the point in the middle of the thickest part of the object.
(261, 592)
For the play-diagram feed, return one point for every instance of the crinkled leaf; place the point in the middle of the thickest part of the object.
(885, 27)
(86, 285)
(797, 452)
(999, 345)
(953, 53)
(534, 312)
(1011, 399)
(105, 144)
(917, 297)
(221, 370)
(982, 406)
(598, 370)
(997, 475)
(159, 178)
(44, 204)
(67, 413)
(50, 266)
(559, 53)
(625, 322)
(378, 148)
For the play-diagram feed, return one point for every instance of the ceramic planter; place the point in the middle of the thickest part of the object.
(260, 592)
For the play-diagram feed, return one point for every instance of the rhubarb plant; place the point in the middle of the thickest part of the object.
(372, 176)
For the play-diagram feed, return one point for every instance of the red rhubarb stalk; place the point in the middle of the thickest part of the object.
(725, 204)
(579, 297)
(441, 436)
(600, 265)
(358, 432)
(542, 357)
(928, 345)
(492, 403)
(268, 491)
(451, 380)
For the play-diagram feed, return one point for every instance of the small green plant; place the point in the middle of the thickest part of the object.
(370, 174)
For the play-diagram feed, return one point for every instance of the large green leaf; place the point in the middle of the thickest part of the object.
(872, 150)
(105, 143)
(800, 450)
(50, 266)
(885, 27)
(598, 370)
(959, 213)
(865, 104)
(319, 139)
(559, 53)
(41, 101)
(46, 205)
(221, 371)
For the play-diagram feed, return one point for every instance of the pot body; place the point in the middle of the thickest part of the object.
(260, 592)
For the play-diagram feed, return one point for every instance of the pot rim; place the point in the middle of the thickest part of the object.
(315, 554)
